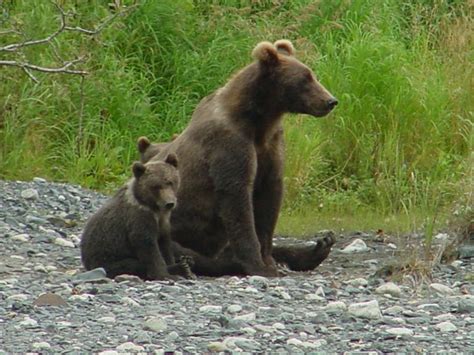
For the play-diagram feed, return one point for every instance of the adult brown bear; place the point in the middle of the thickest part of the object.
(231, 164)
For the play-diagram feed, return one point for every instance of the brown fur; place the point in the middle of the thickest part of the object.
(231, 163)
(148, 150)
(130, 234)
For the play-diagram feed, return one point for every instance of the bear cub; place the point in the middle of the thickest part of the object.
(130, 234)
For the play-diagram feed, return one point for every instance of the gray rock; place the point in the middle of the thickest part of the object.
(64, 243)
(94, 275)
(466, 251)
(259, 282)
(234, 308)
(369, 310)
(441, 289)
(400, 331)
(446, 327)
(336, 307)
(210, 309)
(389, 288)
(156, 324)
(466, 304)
(30, 194)
(129, 346)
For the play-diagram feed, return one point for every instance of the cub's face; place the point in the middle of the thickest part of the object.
(157, 183)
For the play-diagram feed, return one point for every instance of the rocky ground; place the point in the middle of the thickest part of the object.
(49, 305)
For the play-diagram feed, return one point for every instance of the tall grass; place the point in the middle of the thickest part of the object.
(397, 145)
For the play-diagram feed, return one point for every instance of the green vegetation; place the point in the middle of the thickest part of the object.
(395, 154)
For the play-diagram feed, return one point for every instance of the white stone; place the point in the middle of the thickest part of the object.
(42, 345)
(17, 257)
(314, 344)
(358, 282)
(294, 342)
(230, 342)
(285, 295)
(30, 194)
(369, 310)
(444, 317)
(249, 330)
(28, 322)
(357, 246)
(250, 289)
(107, 320)
(400, 331)
(392, 246)
(130, 302)
(234, 308)
(156, 324)
(394, 310)
(39, 180)
(210, 309)
(278, 325)
(246, 317)
(17, 297)
(389, 288)
(398, 320)
(335, 307)
(108, 352)
(441, 237)
(445, 327)
(40, 268)
(21, 237)
(129, 346)
(313, 297)
(441, 289)
(217, 346)
(81, 298)
(456, 264)
(64, 243)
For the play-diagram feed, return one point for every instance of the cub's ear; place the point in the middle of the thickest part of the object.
(266, 53)
(138, 169)
(143, 143)
(172, 159)
(285, 47)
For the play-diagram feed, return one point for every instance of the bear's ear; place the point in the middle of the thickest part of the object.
(284, 46)
(143, 143)
(138, 169)
(172, 159)
(265, 52)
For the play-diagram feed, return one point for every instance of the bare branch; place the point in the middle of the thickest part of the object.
(103, 24)
(64, 69)
(15, 46)
(30, 74)
(66, 65)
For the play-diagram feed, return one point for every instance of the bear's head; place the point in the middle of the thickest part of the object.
(155, 184)
(293, 85)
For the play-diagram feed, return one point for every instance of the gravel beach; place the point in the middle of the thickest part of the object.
(49, 304)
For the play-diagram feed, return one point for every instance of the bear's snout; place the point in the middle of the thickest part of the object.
(331, 103)
(169, 205)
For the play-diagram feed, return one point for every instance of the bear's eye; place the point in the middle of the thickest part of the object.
(308, 76)
(169, 183)
(156, 187)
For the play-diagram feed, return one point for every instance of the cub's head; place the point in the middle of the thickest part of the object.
(156, 183)
(296, 88)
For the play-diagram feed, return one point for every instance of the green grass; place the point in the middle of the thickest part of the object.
(393, 155)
